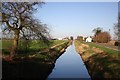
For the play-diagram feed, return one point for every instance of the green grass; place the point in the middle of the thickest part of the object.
(107, 50)
(78, 43)
(49, 55)
(99, 64)
(38, 66)
(6, 44)
(54, 42)
(39, 45)
(33, 45)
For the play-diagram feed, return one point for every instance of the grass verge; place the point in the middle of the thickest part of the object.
(102, 64)
(34, 66)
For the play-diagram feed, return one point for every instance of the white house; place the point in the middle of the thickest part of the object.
(89, 39)
(59, 38)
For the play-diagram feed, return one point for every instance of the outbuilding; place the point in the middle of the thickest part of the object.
(89, 39)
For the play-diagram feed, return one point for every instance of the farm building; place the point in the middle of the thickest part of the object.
(89, 39)
(59, 38)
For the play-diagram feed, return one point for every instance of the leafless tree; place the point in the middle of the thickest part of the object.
(117, 28)
(80, 38)
(17, 17)
(71, 37)
(97, 31)
(103, 37)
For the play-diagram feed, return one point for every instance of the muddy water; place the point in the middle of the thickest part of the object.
(69, 65)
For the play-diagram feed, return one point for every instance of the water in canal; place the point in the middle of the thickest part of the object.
(69, 65)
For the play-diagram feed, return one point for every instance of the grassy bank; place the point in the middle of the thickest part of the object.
(37, 65)
(100, 61)
(29, 46)
(106, 50)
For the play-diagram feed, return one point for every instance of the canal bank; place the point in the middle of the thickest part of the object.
(69, 65)
(32, 67)
(101, 65)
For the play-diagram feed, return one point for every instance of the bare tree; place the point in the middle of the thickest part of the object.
(17, 17)
(103, 37)
(117, 31)
(71, 37)
(97, 31)
(117, 28)
(80, 38)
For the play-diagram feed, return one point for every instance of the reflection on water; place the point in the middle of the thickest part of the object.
(69, 65)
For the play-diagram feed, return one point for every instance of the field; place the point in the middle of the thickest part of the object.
(29, 46)
(100, 61)
(36, 62)
(34, 50)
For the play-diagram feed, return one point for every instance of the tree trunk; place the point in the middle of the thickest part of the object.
(15, 43)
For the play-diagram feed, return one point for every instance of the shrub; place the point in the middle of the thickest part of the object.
(80, 38)
(102, 37)
(117, 44)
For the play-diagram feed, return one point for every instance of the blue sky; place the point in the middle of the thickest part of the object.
(77, 18)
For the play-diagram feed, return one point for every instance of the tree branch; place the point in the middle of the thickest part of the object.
(9, 26)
